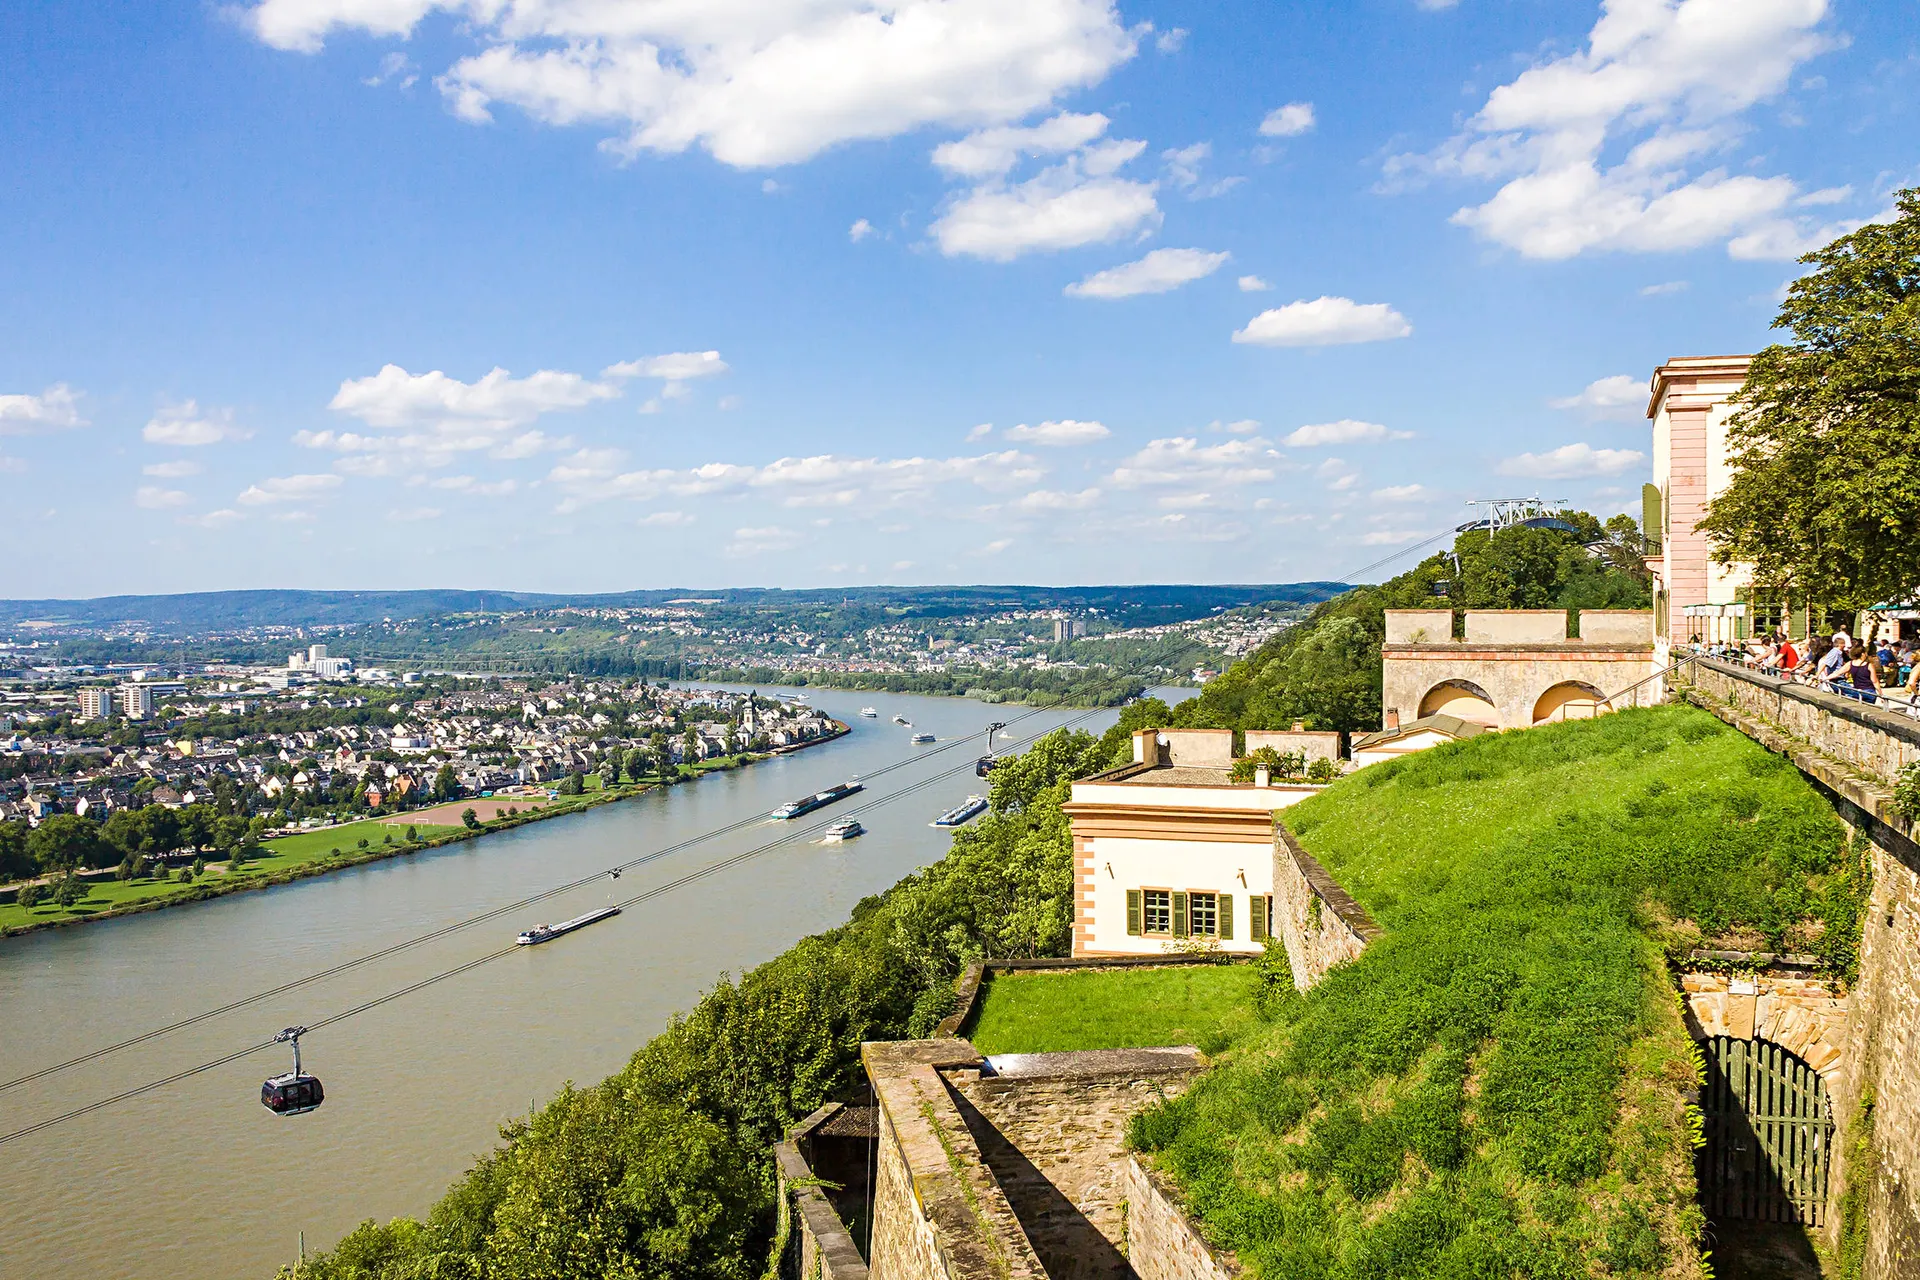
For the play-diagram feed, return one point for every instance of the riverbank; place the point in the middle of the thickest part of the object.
(373, 839)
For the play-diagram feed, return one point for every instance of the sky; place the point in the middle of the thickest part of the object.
(582, 295)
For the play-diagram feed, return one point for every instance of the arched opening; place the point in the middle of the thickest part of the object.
(1570, 700)
(1461, 698)
(1769, 1134)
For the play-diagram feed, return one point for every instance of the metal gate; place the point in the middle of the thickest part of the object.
(1769, 1132)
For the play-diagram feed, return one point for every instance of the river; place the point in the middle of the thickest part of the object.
(198, 1181)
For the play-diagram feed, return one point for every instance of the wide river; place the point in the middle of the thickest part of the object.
(198, 1181)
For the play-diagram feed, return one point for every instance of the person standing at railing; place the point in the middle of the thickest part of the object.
(1829, 666)
(1788, 657)
(1862, 675)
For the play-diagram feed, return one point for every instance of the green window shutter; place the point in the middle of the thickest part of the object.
(1742, 626)
(1257, 918)
(1650, 522)
(1226, 917)
(1133, 912)
(1179, 915)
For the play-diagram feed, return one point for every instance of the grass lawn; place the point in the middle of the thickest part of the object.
(310, 846)
(1045, 1012)
(1498, 1086)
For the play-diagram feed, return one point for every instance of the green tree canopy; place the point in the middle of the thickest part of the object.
(1825, 500)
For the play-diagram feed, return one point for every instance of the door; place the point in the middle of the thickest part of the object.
(1769, 1132)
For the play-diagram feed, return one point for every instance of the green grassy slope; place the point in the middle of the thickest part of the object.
(1047, 1012)
(1496, 1087)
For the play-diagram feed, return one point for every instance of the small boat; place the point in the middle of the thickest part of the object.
(869, 713)
(548, 932)
(921, 737)
(846, 830)
(962, 813)
(818, 800)
(902, 720)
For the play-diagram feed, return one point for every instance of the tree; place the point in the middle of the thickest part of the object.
(15, 861)
(67, 841)
(69, 893)
(446, 784)
(1825, 442)
(29, 896)
(470, 820)
(413, 834)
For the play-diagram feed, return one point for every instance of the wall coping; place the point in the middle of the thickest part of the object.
(1563, 648)
(840, 1254)
(1338, 900)
(1851, 709)
(1091, 1065)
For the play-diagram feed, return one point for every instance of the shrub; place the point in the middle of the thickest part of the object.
(470, 820)
(29, 896)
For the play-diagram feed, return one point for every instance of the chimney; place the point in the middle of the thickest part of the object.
(1146, 746)
(1393, 718)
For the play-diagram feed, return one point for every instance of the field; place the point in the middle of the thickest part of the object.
(1047, 1011)
(1497, 1087)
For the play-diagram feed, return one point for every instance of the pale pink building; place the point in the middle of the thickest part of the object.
(1689, 407)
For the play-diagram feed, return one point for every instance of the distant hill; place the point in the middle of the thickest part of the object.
(205, 611)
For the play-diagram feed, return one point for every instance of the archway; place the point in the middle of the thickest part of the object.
(1769, 1134)
(1461, 698)
(1570, 700)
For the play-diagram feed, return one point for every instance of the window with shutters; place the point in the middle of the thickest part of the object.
(1156, 911)
(1258, 923)
(1205, 914)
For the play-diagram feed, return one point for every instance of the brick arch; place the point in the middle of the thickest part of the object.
(1456, 697)
(1801, 1015)
(1569, 700)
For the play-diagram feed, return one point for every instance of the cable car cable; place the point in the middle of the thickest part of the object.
(443, 931)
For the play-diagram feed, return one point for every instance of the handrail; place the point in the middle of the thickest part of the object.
(1891, 698)
(1658, 675)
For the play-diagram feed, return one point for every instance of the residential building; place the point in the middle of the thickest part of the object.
(1068, 629)
(136, 701)
(96, 702)
(1170, 852)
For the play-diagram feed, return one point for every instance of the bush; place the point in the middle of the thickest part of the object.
(470, 820)
(69, 892)
(29, 896)
(413, 834)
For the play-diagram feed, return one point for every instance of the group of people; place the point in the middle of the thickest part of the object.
(1866, 670)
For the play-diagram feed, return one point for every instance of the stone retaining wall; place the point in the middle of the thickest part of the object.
(1162, 1242)
(1318, 921)
(819, 1244)
(1803, 1014)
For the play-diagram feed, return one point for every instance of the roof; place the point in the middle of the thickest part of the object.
(1439, 722)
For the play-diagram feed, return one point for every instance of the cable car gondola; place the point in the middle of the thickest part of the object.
(296, 1092)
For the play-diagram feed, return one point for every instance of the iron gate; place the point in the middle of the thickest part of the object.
(1769, 1132)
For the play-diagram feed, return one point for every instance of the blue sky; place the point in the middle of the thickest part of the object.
(583, 295)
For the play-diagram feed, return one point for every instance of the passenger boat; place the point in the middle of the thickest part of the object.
(962, 813)
(921, 737)
(869, 713)
(818, 800)
(548, 932)
(846, 830)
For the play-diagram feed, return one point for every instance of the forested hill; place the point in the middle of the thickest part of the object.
(229, 610)
(1326, 671)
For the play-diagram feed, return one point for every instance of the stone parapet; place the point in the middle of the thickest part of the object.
(1318, 921)
(819, 1245)
(1162, 1241)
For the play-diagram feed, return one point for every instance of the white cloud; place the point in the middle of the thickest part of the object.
(1159, 272)
(754, 83)
(1392, 537)
(396, 67)
(171, 470)
(412, 515)
(1663, 84)
(394, 399)
(1077, 201)
(590, 476)
(277, 489)
(1183, 171)
(471, 485)
(1185, 502)
(1336, 476)
(980, 432)
(151, 497)
(1059, 434)
(998, 545)
(1057, 500)
(1183, 460)
(1289, 121)
(55, 409)
(1244, 427)
(674, 367)
(1253, 284)
(664, 519)
(1620, 396)
(1345, 431)
(859, 231)
(214, 519)
(1170, 41)
(1323, 322)
(753, 542)
(1572, 462)
(1400, 493)
(183, 425)
(1661, 290)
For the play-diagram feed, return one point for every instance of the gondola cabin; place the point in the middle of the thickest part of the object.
(292, 1095)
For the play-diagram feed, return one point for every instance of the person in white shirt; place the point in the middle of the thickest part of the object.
(1830, 664)
(1841, 640)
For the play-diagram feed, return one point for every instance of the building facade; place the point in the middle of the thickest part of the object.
(1169, 852)
(1689, 404)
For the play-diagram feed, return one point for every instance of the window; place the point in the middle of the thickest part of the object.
(1205, 909)
(1157, 911)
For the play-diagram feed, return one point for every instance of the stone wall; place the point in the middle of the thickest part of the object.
(1852, 752)
(819, 1246)
(1053, 1128)
(1804, 1014)
(1318, 921)
(939, 1212)
(1162, 1242)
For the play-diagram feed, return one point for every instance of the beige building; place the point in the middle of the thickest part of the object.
(1169, 851)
